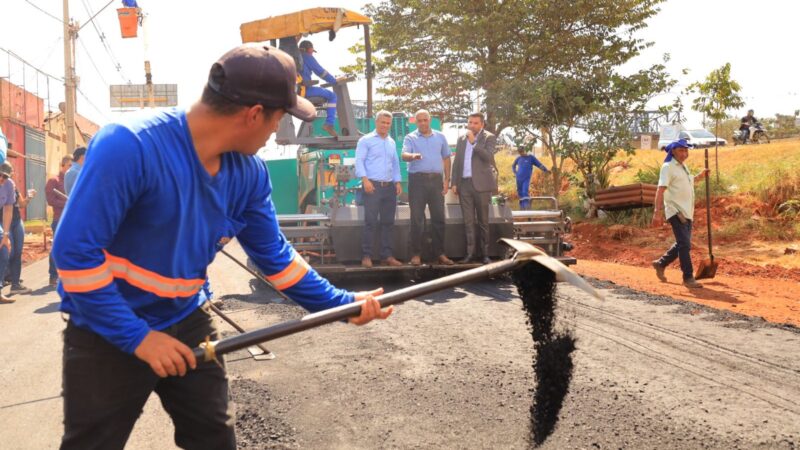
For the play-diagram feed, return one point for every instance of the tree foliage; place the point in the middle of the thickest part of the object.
(441, 54)
(717, 94)
(542, 67)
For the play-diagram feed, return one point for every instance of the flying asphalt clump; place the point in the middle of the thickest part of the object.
(552, 363)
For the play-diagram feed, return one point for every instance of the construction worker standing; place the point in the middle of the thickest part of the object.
(310, 65)
(157, 198)
(523, 169)
(675, 201)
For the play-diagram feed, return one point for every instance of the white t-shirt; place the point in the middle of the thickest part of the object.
(679, 195)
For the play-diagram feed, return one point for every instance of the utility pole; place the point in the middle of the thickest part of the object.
(70, 33)
(148, 76)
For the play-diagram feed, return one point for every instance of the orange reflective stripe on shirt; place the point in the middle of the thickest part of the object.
(152, 282)
(291, 275)
(86, 280)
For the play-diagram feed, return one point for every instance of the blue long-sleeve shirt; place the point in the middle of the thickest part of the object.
(134, 243)
(71, 177)
(376, 158)
(310, 64)
(523, 166)
(3, 147)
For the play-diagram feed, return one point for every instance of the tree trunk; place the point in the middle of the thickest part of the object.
(716, 150)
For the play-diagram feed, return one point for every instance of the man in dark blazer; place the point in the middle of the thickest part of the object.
(474, 179)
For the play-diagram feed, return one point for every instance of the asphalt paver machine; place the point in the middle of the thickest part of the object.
(318, 196)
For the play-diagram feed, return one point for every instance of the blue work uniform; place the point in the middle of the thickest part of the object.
(523, 169)
(134, 243)
(310, 65)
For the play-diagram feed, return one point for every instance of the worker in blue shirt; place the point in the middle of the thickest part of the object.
(523, 169)
(378, 166)
(158, 197)
(78, 157)
(3, 147)
(310, 65)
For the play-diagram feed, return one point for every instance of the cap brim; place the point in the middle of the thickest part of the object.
(304, 110)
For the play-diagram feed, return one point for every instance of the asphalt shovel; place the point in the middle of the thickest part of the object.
(708, 267)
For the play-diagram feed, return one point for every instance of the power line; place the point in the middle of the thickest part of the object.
(85, 97)
(91, 60)
(43, 11)
(106, 46)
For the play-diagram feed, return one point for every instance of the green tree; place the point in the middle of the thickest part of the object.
(717, 94)
(609, 126)
(448, 55)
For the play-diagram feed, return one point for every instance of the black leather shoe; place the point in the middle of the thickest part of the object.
(486, 260)
(467, 260)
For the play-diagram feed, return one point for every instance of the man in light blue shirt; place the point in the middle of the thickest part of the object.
(378, 166)
(428, 156)
(78, 156)
(3, 147)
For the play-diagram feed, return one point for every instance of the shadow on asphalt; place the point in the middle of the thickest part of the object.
(42, 290)
(51, 308)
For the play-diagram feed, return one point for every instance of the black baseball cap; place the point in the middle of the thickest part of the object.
(6, 169)
(257, 74)
(305, 45)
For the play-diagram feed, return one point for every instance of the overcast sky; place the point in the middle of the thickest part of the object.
(758, 39)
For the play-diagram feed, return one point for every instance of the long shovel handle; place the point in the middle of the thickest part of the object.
(210, 350)
(708, 209)
(235, 325)
(525, 254)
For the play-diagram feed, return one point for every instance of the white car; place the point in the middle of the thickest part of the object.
(698, 138)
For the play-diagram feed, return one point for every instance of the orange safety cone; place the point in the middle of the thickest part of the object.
(128, 21)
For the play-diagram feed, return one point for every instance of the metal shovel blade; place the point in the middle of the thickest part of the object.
(260, 355)
(706, 269)
(563, 273)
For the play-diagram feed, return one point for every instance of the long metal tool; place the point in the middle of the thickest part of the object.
(525, 254)
(708, 267)
(258, 351)
(255, 274)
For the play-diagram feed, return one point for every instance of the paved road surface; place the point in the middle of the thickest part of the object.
(453, 370)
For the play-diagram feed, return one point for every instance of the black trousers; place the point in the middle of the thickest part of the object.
(425, 189)
(475, 209)
(105, 390)
(379, 210)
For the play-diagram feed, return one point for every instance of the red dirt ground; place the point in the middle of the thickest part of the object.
(748, 279)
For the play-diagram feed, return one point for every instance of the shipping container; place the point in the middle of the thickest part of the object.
(15, 133)
(35, 174)
(21, 106)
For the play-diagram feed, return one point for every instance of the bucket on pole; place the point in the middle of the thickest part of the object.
(128, 21)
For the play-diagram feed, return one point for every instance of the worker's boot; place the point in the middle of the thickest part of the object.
(415, 260)
(444, 260)
(659, 271)
(329, 129)
(391, 261)
(366, 262)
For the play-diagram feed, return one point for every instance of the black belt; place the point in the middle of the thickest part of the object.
(425, 174)
(381, 183)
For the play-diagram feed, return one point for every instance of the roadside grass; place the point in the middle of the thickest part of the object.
(748, 168)
(757, 175)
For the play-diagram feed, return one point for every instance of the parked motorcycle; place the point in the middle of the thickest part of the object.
(758, 135)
